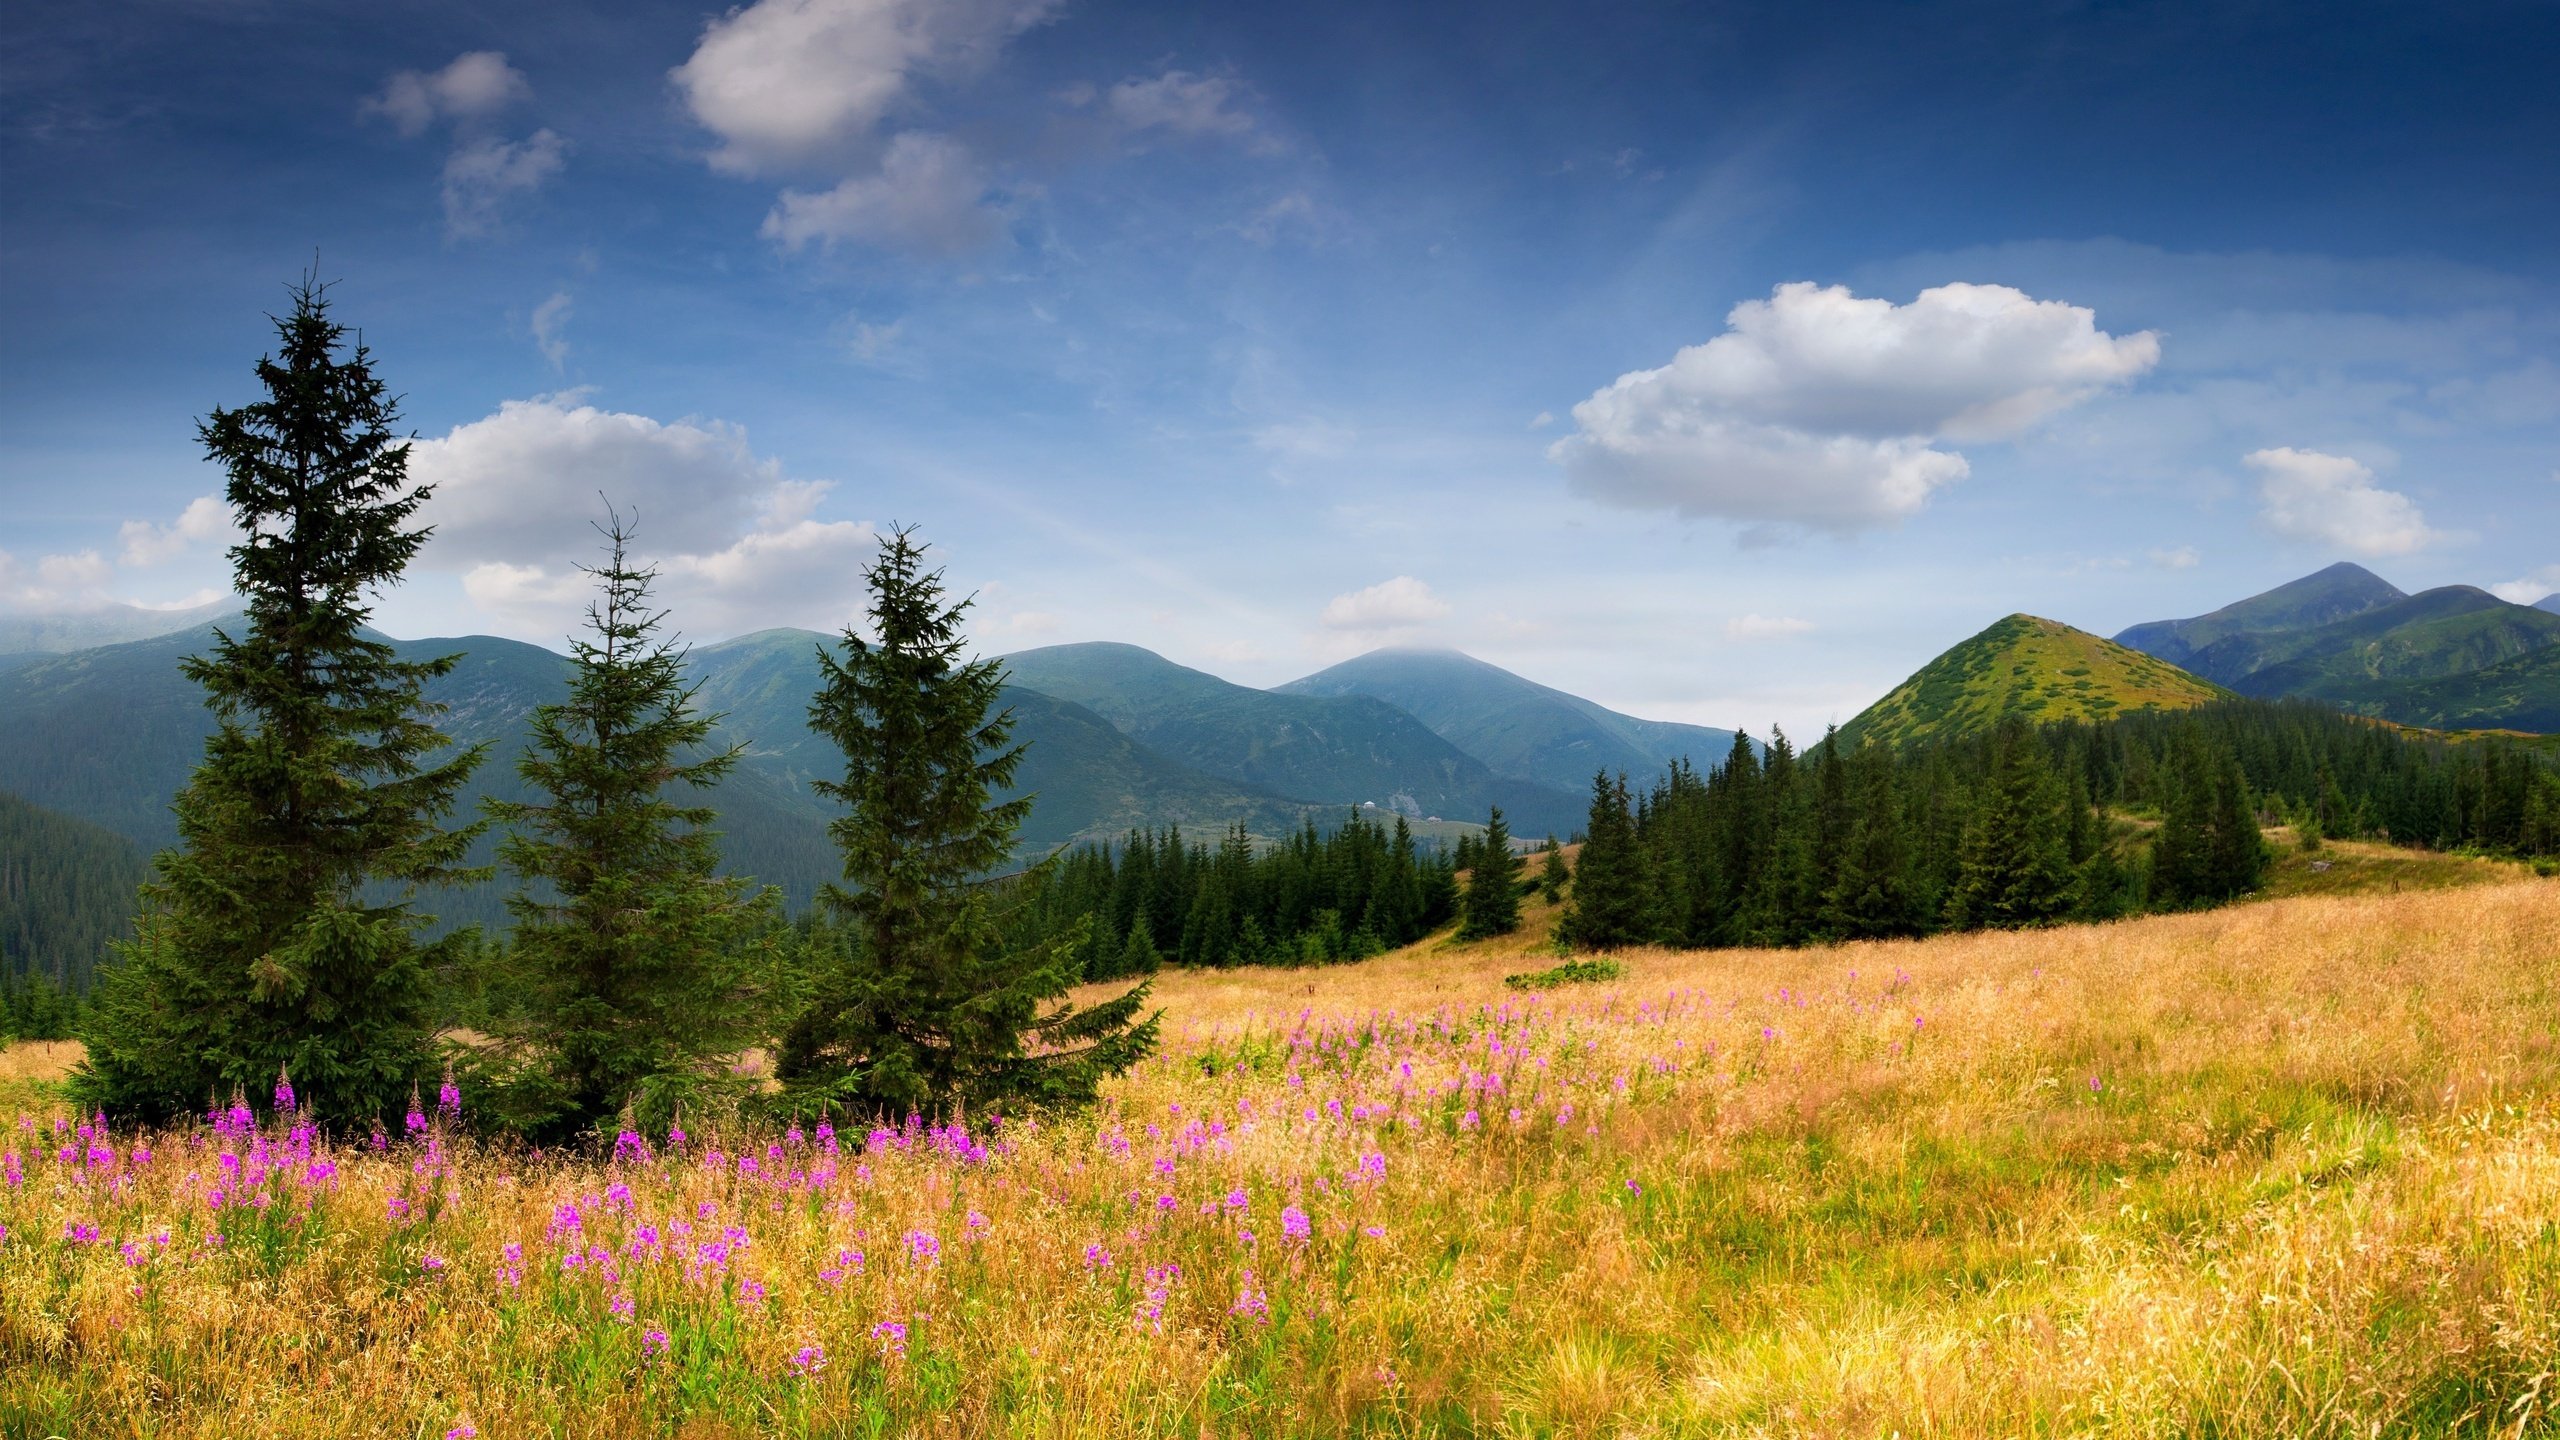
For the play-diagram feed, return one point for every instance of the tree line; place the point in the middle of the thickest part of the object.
(2028, 824)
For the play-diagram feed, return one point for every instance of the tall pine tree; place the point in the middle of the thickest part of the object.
(1492, 903)
(278, 935)
(926, 1012)
(1612, 897)
(637, 973)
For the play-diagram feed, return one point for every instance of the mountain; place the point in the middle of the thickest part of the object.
(59, 634)
(2024, 665)
(1520, 729)
(66, 890)
(1092, 781)
(2522, 693)
(109, 735)
(2431, 635)
(2347, 639)
(1330, 749)
(2341, 591)
(2549, 602)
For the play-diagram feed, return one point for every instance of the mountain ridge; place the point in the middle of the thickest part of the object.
(1516, 726)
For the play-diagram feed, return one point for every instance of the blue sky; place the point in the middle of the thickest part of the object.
(1720, 362)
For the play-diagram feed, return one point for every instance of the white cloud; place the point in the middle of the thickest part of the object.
(550, 322)
(786, 82)
(1818, 408)
(476, 86)
(2532, 588)
(2331, 500)
(480, 175)
(1178, 102)
(1394, 604)
(72, 581)
(144, 544)
(1764, 627)
(737, 543)
(2176, 557)
(928, 196)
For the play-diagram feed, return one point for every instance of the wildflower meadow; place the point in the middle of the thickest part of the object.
(2286, 1169)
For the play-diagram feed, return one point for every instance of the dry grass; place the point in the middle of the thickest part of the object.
(2287, 1169)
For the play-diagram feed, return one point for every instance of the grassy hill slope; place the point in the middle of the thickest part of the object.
(2024, 665)
(2280, 1170)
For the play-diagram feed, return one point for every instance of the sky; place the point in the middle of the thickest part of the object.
(1720, 362)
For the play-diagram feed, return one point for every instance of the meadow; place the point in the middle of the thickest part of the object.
(2290, 1168)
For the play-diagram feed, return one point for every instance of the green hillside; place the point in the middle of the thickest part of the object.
(1517, 727)
(2345, 638)
(2024, 665)
(1345, 749)
(66, 890)
(2433, 635)
(2337, 593)
(2522, 693)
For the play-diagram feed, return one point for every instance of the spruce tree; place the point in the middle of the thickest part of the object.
(2017, 862)
(1553, 875)
(637, 972)
(279, 934)
(1612, 899)
(1492, 903)
(928, 1012)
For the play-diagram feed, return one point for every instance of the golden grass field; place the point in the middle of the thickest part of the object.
(2286, 1169)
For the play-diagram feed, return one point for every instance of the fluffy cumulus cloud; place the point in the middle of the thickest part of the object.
(738, 544)
(1398, 604)
(1823, 409)
(477, 86)
(2542, 584)
(784, 83)
(141, 544)
(2332, 501)
(929, 196)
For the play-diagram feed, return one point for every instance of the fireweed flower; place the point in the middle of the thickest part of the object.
(449, 1097)
(430, 1263)
(463, 1431)
(892, 1337)
(922, 1247)
(653, 1343)
(1294, 1224)
(1251, 1302)
(1096, 1258)
(809, 1360)
(284, 1093)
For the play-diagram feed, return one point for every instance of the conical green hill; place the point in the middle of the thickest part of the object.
(2024, 665)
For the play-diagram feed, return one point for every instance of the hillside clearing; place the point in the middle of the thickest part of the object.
(2288, 1168)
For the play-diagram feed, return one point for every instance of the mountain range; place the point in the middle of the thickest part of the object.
(2454, 657)
(1117, 737)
